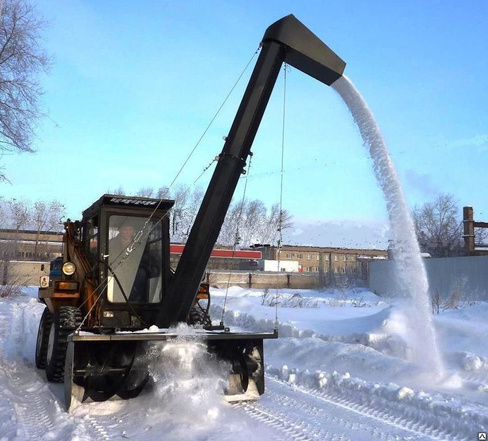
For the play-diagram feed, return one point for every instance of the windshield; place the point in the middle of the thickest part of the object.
(135, 272)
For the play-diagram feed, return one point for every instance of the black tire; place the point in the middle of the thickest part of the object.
(250, 360)
(66, 320)
(42, 338)
(256, 355)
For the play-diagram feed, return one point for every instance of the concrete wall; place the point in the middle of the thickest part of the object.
(260, 279)
(25, 273)
(469, 275)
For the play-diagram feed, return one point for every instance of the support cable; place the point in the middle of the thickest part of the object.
(213, 119)
(236, 236)
(282, 174)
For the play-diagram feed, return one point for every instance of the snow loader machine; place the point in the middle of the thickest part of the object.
(117, 293)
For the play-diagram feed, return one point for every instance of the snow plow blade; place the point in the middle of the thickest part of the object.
(100, 367)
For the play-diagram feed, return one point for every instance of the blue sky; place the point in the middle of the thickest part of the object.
(134, 85)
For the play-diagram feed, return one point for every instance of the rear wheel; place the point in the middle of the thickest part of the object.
(42, 338)
(65, 321)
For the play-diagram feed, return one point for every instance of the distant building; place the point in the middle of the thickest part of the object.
(288, 266)
(327, 260)
(23, 254)
(221, 258)
(472, 244)
(30, 245)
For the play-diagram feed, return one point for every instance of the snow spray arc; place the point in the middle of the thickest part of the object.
(411, 274)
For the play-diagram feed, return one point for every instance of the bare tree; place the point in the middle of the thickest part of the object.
(163, 193)
(148, 192)
(248, 222)
(438, 227)
(17, 219)
(22, 59)
(145, 192)
(57, 211)
(230, 232)
(187, 203)
(3, 213)
(253, 217)
(3, 225)
(275, 221)
(119, 191)
(45, 218)
(180, 197)
(194, 203)
(19, 213)
(481, 237)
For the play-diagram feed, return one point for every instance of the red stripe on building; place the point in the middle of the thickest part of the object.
(229, 254)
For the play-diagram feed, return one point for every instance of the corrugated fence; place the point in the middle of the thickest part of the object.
(464, 276)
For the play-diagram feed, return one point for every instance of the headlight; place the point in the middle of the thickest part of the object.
(69, 268)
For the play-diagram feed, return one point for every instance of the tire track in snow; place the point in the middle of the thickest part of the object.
(6, 407)
(93, 426)
(32, 401)
(290, 429)
(400, 419)
(28, 397)
(435, 417)
(315, 418)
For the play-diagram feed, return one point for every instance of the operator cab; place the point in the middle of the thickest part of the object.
(126, 241)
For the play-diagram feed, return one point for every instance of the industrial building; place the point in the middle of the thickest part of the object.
(325, 260)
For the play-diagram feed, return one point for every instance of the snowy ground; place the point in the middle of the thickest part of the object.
(339, 371)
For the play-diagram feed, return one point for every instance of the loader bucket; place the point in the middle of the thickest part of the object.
(101, 367)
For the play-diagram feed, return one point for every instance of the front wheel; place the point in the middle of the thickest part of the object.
(42, 338)
(65, 321)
